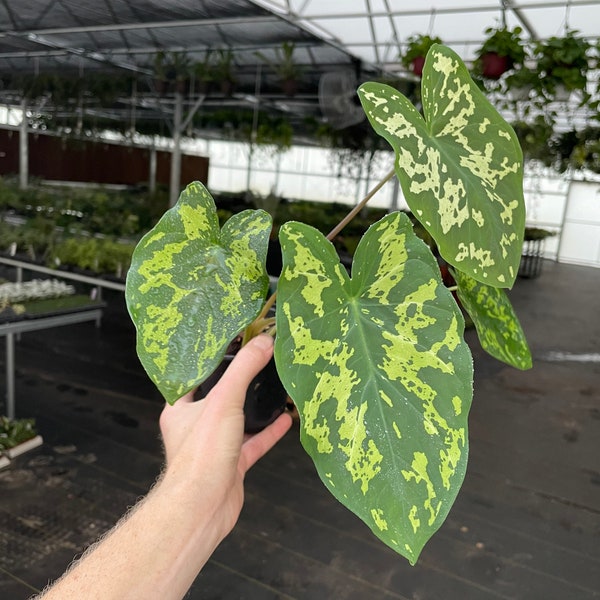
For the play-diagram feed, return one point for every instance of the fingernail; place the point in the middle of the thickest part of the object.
(263, 341)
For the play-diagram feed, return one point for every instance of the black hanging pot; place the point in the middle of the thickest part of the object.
(266, 397)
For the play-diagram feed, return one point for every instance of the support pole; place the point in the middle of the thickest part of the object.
(395, 193)
(10, 375)
(176, 155)
(152, 169)
(23, 148)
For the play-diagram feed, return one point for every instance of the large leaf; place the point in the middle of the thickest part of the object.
(192, 288)
(497, 325)
(380, 374)
(460, 167)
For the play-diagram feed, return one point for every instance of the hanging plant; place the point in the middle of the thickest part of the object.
(563, 63)
(416, 51)
(522, 83)
(502, 50)
(285, 67)
(534, 137)
(203, 72)
(223, 71)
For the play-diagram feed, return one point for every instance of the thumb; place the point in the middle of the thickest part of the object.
(248, 362)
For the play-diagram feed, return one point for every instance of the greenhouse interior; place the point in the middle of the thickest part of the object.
(385, 214)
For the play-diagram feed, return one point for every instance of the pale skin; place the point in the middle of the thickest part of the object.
(159, 548)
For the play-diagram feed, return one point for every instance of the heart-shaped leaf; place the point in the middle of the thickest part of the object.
(192, 288)
(497, 325)
(460, 167)
(380, 374)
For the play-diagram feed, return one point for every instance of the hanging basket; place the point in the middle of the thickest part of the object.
(493, 65)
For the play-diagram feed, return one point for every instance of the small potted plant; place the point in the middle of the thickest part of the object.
(375, 362)
(563, 63)
(203, 71)
(416, 51)
(286, 68)
(179, 71)
(501, 51)
(160, 73)
(17, 436)
(223, 71)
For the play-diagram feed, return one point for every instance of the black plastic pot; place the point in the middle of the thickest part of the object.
(266, 397)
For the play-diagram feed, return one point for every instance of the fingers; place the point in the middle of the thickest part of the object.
(258, 445)
(245, 366)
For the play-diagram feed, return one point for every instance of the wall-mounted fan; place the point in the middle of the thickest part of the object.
(338, 100)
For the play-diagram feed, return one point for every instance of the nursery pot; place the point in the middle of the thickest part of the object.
(289, 87)
(493, 65)
(266, 397)
(417, 65)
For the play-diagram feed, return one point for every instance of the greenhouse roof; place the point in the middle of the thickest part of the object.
(360, 37)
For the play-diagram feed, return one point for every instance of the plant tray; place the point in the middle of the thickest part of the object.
(24, 447)
(49, 307)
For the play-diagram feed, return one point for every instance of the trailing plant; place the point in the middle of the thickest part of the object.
(563, 61)
(375, 360)
(534, 138)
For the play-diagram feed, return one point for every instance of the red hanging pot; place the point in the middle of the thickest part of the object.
(417, 65)
(493, 65)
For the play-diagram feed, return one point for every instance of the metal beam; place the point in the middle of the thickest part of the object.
(447, 10)
(144, 25)
(510, 5)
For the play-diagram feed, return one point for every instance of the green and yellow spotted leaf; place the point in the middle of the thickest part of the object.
(193, 287)
(380, 374)
(497, 325)
(460, 167)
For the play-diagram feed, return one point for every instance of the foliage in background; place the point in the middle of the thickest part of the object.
(85, 228)
(15, 431)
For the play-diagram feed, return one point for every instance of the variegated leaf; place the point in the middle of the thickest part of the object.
(497, 325)
(460, 167)
(380, 374)
(193, 287)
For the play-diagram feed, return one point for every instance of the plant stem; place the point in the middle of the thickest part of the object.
(359, 207)
(253, 329)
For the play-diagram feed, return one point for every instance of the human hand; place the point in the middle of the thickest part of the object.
(205, 443)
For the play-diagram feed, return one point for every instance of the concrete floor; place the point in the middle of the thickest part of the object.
(526, 524)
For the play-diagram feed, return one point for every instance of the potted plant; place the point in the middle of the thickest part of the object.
(223, 71)
(534, 138)
(521, 82)
(501, 51)
(17, 436)
(375, 363)
(563, 63)
(178, 70)
(203, 73)
(160, 73)
(286, 68)
(416, 51)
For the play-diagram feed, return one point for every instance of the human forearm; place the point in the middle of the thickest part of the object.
(155, 552)
(159, 548)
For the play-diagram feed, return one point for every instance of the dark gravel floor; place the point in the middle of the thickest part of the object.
(526, 524)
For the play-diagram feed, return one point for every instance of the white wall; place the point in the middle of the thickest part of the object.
(580, 239)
